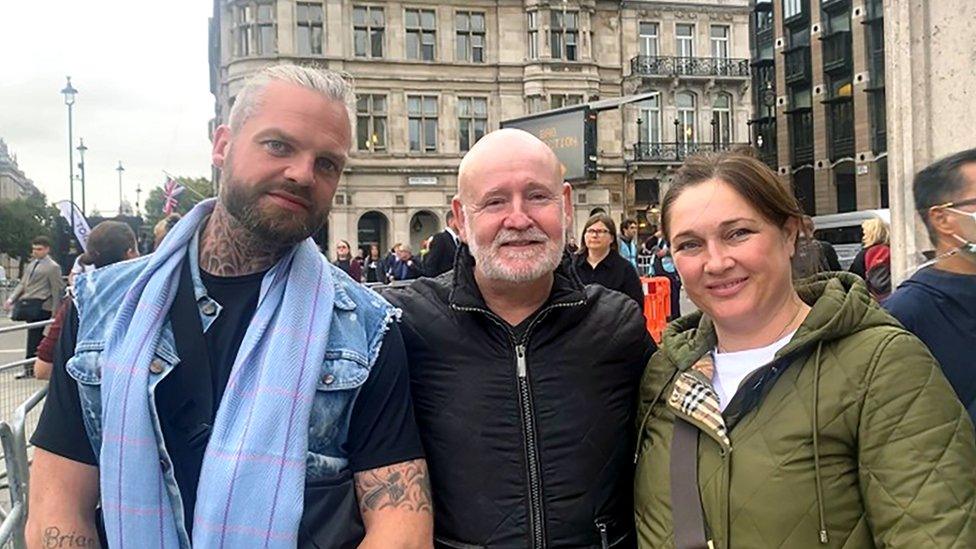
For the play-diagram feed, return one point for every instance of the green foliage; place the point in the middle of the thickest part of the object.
(197, 188)
(23, 219)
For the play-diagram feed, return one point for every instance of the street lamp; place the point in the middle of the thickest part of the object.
(69, 93)
(639, 153)
(120, 169)
(677, 138)
(81, 167)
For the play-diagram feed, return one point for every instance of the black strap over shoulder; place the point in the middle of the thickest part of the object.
(686, 506)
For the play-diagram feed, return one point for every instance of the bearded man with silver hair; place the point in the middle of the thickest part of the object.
(524, 381)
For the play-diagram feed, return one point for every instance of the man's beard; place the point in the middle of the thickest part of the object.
(284, 228)
(491, 264)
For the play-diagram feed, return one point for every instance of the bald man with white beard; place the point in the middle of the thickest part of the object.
(524, 381)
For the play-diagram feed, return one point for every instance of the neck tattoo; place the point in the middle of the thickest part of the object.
(227, 248)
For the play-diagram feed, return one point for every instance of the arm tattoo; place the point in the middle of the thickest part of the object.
(402, 486)
(55, 538)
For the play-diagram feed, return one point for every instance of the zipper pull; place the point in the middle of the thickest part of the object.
(520, 360)
(604, 540)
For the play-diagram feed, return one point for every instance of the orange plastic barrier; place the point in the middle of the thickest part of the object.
(657, 304)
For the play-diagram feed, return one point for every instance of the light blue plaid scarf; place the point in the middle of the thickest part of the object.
(252, 480)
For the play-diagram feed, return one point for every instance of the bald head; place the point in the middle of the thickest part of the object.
(506, 149)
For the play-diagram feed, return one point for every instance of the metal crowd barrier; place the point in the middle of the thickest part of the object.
(15, 429)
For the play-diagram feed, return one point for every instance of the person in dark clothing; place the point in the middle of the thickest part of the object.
(406, 266)
(524, 381)
(938, 303)
(235, 382)
(663, 265)
(875, 233)
(374, 266)
(350, 265)
(599, 262)
(441, 250)
(812, 256)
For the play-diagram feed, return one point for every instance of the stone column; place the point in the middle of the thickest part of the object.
(930, 96)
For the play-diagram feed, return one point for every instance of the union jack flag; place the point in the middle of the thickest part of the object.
(171, 191)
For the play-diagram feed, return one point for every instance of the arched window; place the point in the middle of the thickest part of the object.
(722, 119)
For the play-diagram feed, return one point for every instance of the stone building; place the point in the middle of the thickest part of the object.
(432, 76)
(13, 183)
(819, 100)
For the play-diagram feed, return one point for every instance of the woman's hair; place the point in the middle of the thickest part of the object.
(109, 242)
(593, 220)
(349, 248)
(749, 177)
(163, 227)
(875, 232)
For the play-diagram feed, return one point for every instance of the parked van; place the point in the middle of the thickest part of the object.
(843, 231)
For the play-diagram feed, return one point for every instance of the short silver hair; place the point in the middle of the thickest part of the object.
(332, 84)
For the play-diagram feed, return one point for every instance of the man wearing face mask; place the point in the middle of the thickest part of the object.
(938, 303)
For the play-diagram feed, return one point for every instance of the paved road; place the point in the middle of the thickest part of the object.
(13, 391)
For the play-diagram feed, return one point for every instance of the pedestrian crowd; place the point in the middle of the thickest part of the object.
(238, 388)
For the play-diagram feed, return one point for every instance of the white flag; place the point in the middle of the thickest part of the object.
(81, 227)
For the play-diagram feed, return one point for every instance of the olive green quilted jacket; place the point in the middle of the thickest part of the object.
(850, 438)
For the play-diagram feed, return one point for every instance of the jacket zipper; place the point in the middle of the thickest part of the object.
(536, 512)
(604, 539)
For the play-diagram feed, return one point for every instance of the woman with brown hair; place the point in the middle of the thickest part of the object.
(598, 261)
(109, 242)
(789, 416)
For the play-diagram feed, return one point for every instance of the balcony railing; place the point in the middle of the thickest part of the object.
(837, 51)
(797, 65)
(659, 65)
(676, 152)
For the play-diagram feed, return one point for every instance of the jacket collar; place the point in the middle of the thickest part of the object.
(566, 287)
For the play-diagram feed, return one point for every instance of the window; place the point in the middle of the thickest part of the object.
(764, 20)
(685, 36)
(564, 34)
(369, 23)
(533, 26)
(687, 116)
(536, 104)
(837, 22)
(470, 40)
(792, 8)
(308, 21)
(422, 113)
(722, 119)
(648, 39)
(650, 117)
(800, 98)
(254, 27)
(560, 100)
(720, 41)
(472, 120)
(371, 122)
(421, 26)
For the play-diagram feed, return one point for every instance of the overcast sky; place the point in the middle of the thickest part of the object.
(141, 72)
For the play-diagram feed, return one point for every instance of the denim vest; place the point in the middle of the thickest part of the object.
(360, 318)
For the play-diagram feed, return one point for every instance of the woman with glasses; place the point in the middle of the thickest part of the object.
(599, 262)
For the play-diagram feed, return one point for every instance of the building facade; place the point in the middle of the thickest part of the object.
(819, 100)
(432, 77)
(13, 183)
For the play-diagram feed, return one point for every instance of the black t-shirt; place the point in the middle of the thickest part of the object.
(238, 298)
(382, 429)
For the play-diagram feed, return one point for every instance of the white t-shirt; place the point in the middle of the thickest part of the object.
(732, 368)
